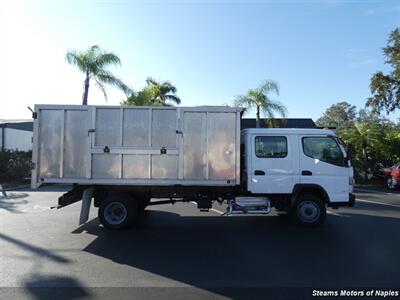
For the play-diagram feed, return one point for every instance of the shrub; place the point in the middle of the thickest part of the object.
(15, 166)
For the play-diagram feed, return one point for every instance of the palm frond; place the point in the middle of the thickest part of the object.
(102, 88)
(162, 91)
(76, 59)
(173, 98)
(244, 100)
(278, 107)
(267, 111)
(105, 59)
(151, 81)
(167, 87)
(268, 86)
(108, 78)
(93, 52)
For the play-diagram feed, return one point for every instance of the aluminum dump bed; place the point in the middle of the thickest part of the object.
(113, 145)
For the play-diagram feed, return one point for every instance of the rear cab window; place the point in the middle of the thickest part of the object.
(323, 148)
(271, 146)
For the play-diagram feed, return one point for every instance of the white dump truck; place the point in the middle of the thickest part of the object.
(126, 158)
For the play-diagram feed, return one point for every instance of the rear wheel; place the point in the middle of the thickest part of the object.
(309, 210)
(391, 183)
(118, 211)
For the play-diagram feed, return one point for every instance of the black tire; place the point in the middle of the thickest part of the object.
(309, 210)
(118, 211)
(390, 183)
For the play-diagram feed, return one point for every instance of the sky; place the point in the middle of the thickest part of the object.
(319, 52)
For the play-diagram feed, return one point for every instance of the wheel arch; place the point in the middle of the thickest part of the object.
(314, 189)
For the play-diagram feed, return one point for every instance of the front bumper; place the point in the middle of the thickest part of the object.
(350, 203)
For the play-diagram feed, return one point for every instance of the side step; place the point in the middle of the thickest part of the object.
(249, 205)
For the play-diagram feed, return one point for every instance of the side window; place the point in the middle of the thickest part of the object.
(324, 149)
(271, 146)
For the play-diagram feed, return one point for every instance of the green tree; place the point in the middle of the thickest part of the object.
(340, 115)
(387, 150)
(93, 63)
(261, 100)
(154, 94)
(385, 89)
(365, 137)
(161, 92)
(141, 98)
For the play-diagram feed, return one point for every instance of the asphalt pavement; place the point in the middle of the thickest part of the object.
(179, 252)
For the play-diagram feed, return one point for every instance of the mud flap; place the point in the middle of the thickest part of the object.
(86, 201)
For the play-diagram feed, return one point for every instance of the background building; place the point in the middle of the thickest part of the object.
(16, 134)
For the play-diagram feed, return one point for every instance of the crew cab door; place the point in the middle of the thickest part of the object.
(322, 163)
(272, 167)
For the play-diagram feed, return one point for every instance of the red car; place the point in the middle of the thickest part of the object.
(392, 176)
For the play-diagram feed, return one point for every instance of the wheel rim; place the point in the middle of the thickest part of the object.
(115, 213)
(308, 211)
(390, 183)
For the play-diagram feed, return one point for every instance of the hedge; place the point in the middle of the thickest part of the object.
(15, 166)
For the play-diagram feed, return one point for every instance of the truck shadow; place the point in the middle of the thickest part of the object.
(221, 253)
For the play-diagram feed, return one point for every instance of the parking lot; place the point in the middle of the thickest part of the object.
(200, 254)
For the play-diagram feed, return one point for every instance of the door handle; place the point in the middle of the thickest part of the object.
(306, 173)
(259, 172)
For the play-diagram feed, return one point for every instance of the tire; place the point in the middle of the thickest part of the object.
(390, 183)
(118, 212)
(309, 210)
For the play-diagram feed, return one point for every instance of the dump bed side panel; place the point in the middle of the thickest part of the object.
(136, 145)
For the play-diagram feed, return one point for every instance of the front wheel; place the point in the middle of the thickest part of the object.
(309, 210)
(118, 212)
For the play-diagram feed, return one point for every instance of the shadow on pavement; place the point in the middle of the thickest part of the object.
(12, 201)
(34, 249)
(375, 189)
(223, 252)
(375, 207)
(54, 287)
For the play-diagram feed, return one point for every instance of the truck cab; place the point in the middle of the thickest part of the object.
(289, 162)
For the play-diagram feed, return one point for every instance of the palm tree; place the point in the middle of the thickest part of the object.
(93, 63)
(162, 91)
(141, 98)
(260, 99)
(363, 136)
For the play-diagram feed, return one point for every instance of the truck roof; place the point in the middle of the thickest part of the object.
(288, 131)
